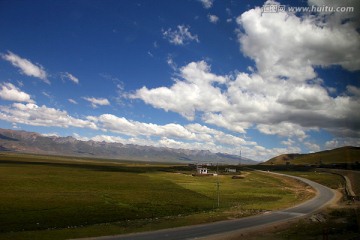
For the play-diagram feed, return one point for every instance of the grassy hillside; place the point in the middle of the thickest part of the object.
(55, 199)
(281, 159)
(343, 155)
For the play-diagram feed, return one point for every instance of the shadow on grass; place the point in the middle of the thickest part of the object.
(93, 167)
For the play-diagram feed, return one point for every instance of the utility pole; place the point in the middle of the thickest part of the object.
(217, 185)
(218, 194)
(240, 158)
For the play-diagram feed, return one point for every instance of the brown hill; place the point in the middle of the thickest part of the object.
(348, 155)
(282, 159)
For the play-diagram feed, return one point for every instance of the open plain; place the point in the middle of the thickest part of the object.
(47, 197)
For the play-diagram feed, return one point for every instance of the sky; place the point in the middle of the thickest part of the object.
(258, 77)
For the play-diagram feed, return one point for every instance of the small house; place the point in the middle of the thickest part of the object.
(230, 170)
(202, 170)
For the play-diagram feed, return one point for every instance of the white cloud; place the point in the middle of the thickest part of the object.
(50, 134)
(282, 95)
(72, 101)
(181, 36)
(70, 77)
(266, 153)
(207, 3)
(171, 63)
(47, 94)
(109, 139)
(339, 142)
(34, 115)
(226, 120)
(272, 105)
(213, 18)
(337, 17)
(333, 144)
(194, 92)
(313, 147)
(26, 67)
(80, 138)
(287, 45)
(95, 102)
(191, 136)
(288, 142)
(10, 92)
(122, 125)
(283, 129)
(353, 90)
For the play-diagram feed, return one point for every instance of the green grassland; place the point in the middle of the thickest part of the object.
(327, 179)
(45, 197)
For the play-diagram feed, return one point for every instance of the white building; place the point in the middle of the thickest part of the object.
(202, 170)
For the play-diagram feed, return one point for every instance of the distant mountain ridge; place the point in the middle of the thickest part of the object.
(342, 155)
(35, 143)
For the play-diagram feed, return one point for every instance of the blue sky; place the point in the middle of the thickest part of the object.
(218, 75)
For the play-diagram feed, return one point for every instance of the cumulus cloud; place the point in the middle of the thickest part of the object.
(313, 147)
(339, 142)
(34, 115)
(353, 90)
(283, 129)
(213, 18)
(180, 36)
(10, 92)
(282, 95)
(95, 102)
(335, 18)
(192, 136)
(195, 91)
(122, 125)
(272, 105)
(288, 45)
(288, 142)
(207, 3)
(70, 77)
(26, 67)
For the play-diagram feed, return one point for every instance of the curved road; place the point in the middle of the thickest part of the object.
(324, 196)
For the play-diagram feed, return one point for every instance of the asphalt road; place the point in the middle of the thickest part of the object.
(323, 197)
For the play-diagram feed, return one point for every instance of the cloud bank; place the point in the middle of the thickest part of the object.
(283, 96)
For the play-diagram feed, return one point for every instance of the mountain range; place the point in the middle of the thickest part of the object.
(35, 143)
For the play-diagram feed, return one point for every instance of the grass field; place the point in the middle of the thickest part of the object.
(57, 198)
(354, 177)
(327, 179)
(348, 155)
